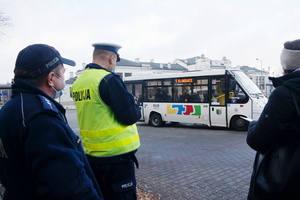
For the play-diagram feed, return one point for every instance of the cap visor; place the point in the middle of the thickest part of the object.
(68, 62)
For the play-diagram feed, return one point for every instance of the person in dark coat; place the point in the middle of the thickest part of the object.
(40, 156)
(279, 122)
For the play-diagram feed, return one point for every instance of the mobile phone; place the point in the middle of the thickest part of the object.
(247, 119)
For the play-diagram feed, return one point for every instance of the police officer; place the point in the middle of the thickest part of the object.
(40, 156)
(107, 113)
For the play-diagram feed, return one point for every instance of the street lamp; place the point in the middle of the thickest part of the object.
(263, 83)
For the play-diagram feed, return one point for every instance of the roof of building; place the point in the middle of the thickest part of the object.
(125, 62)
(151, 65)
(70, 80)
(190, 61)
(5, 86)
(247, 69)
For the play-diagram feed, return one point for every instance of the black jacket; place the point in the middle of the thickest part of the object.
(279, 123)
(279, 120)
(40, 156)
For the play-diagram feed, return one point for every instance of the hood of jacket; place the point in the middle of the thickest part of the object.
(291, 80)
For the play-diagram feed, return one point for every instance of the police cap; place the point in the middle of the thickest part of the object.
(109, 47)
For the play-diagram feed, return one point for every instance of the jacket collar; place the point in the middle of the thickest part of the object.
(20, 86)
(278, 81)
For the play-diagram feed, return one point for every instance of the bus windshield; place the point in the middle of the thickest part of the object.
(247, 83)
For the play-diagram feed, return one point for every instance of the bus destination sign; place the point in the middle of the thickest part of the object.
(184, 80)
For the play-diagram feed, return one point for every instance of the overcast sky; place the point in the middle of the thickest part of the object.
(162, 30)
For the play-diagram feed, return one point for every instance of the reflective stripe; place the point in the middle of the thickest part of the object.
(111, 145)
(114, 137)
(113, 152)
(107, 132)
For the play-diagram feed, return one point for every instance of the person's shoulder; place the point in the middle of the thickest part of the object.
(39, 104)
(279, 91)
(279, 95)
(112, 78)
(47, 104)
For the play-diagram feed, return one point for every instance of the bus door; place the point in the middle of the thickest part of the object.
(140, 103)
(218, 102)
(136, 91)
(138, 94)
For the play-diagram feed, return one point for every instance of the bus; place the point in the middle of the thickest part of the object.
(216, 98)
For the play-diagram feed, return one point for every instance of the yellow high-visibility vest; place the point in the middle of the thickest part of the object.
(102, 135)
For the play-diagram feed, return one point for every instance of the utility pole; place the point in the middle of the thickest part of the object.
(263, 81)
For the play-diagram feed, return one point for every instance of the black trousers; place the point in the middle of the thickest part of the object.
(116, 179)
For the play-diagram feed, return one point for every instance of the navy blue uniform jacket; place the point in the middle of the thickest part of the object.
(40, 156)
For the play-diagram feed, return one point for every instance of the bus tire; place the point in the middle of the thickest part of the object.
(156, 120)
(239, 124)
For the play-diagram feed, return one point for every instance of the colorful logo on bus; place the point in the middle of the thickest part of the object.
(184, 109)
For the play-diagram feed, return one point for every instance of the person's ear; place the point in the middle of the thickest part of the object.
(49, 79)
(111, 59)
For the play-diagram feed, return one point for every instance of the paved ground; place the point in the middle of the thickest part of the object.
(191, 162)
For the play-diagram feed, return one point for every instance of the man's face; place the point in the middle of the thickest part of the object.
(59, 79)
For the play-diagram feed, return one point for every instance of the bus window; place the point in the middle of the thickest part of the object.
(163, 94)
(186, 95)
(182, 90)
(158, 95)
(129, 88)
(135, 90)
(200, 94)
(138, 92)
(218, 91)
(200, 91)
(236, 94)
(150, 90)
(159, 91)
(167, 94)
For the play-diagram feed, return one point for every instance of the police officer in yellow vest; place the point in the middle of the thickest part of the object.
(106, 114)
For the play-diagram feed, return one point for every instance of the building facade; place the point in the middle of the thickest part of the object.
(127, 68)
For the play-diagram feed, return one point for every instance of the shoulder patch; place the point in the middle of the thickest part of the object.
(47, 104)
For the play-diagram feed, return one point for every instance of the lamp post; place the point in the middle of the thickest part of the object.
(263, 83)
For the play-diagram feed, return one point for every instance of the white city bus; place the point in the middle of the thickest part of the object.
(216, 98)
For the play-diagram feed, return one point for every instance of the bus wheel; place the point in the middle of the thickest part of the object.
(239, 124)
(156, 120)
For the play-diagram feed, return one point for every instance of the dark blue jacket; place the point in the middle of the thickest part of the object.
(40, 156)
